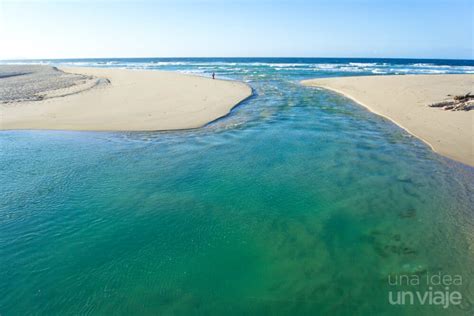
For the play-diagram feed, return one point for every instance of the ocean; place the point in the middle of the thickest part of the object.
(299, 202)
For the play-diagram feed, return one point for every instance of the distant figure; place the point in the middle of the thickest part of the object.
(213, 75)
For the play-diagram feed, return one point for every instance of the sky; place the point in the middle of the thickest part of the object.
(236, 28)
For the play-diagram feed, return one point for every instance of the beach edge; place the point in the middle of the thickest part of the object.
(312, 83)
(182, 102)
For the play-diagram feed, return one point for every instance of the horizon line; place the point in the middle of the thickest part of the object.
(234, 57)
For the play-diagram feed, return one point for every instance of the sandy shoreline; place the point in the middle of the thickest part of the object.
(404, 100)
(125, 100)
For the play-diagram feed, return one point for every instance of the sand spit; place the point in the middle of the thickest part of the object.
(404, 99)
(98, 99)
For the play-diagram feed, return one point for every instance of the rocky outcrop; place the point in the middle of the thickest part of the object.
(458, 103)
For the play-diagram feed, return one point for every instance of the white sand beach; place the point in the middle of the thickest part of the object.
(115, 100)
(404, 99)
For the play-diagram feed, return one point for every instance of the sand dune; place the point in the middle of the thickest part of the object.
(118, 100)
(404, 99)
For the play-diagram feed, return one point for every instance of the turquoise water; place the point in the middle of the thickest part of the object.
(299, 202)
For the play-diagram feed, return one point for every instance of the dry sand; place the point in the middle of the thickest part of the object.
(404, 100)
(117, 100)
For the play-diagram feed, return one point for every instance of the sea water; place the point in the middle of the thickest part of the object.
(300, 202)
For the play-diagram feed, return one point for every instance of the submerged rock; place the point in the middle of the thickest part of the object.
(410, 213)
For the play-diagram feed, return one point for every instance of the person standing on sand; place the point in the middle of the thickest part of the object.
(213, 75)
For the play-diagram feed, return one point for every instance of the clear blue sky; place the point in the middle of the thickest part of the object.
(181, 28)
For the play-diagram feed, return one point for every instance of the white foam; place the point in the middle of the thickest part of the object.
(363, 64)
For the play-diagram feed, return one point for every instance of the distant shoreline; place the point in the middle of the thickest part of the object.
(125, 100)
(403, 99)
(238, 57)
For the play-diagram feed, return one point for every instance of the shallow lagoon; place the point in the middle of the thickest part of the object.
(298, 202)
